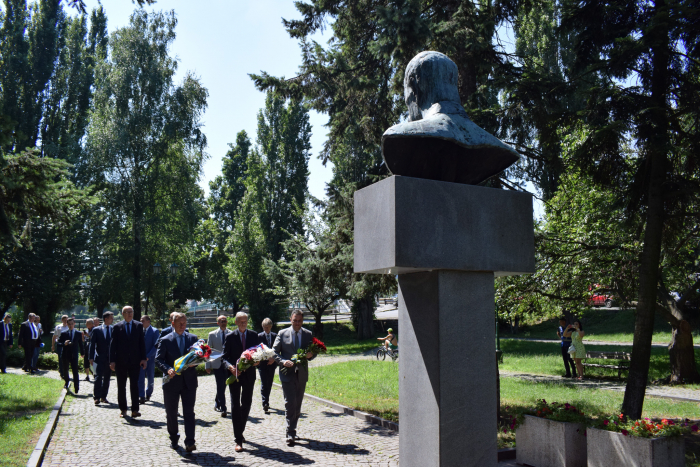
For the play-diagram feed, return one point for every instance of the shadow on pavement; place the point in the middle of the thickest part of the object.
(330, 446)
(286, 457)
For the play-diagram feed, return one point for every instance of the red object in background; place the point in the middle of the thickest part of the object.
(599, 298)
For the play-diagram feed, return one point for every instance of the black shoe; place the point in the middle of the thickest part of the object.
(142, 400)
(76, 390)
(223, 414)
(566, 376)
(290, 442)
(148, 398)
(87, 378)
(190, 448)
(174, 445)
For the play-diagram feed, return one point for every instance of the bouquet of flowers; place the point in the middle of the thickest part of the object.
(199, 352)
(249, 358)
(299, 358)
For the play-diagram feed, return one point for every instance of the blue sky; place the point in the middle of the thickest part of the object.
(221, 41)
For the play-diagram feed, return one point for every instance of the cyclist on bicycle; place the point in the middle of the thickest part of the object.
(390, 341)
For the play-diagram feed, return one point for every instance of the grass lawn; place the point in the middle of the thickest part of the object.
(373, 386)
(545, 359)
(23, 415)
(602, 325)
(339, 338)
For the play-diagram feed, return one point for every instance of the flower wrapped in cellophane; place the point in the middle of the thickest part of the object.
(249, 358)
(200, 352)
(299, 358)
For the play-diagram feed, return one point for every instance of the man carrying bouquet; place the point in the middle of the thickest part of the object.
(182, 386)
(242, 389)
(293, 376)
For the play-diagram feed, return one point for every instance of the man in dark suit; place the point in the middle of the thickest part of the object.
(6, 340)
(127, 355)
(99, 354)
(170, 328)
(29, 339)
(71, 342)
(180, 387)
(216, 342)
(267, 370)
(150, 338)
(293, 380)
(242, 390)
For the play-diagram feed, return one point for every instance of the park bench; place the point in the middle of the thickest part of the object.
(621, 357)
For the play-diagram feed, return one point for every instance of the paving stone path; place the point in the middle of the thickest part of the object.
(328, 438)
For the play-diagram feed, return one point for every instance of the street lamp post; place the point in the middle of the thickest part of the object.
(166, 276)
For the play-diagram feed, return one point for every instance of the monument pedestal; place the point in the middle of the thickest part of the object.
(446, 242)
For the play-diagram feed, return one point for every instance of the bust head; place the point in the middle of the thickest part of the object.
(431, 77)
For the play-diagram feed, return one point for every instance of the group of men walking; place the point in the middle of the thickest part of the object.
(133, 349)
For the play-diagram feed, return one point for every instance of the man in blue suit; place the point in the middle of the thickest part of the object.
(71, 342)
(6, 341)
(150, 337)
(99, 354)
(180, 387)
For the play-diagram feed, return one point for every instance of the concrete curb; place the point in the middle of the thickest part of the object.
(373, 419)
(37, 456)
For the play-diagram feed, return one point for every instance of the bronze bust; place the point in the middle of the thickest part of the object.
(439, 141)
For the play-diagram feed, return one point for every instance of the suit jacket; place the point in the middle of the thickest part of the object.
(25, 336)
(150, 339)
(216, 343)
(168, 351)
(127, 349)
(284, 348)
(233, 350)
(99, 345)
(263, 340)
(75, 348)
(10, 339)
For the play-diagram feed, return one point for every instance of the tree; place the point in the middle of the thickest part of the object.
(309, 272)
(144, 143)
(653, 45)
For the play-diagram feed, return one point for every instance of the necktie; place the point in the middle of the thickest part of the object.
(297, 340)
(243, 340)
(181, 338)
(107, 328)
(128, 329)
(71, 335)
(269, 344)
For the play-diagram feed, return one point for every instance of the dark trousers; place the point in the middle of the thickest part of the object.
(131, 371)
(3, 356)
(171, 400)
(293, 397)
(221, 374)
(241, 400)
(568, 361)
(28, 355)
(70, 362)
(59, 352)
(267, 375)
(102, 377)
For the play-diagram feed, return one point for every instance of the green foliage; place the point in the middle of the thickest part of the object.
(146, 149)
(270, 211)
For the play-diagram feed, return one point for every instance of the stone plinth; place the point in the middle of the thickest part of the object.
(548, 443)
(405, 224)
(446, 242)
(606, 448)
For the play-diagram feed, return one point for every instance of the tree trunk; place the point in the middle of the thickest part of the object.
(656, 146)
(365, 317)
(136, 267)
(318, 325)
(682, 354)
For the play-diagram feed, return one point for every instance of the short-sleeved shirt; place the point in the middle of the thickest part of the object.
(60, 329)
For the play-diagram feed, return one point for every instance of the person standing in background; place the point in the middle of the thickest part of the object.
(29, 339)
(99, 355)
(216, 341)
(60, 329)
(126, 354)
(37, 349)
(6, 340)
(87, 334)
(267, 370)
(150, 338)
(564, 333)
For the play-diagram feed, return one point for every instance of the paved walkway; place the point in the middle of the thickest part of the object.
(587, 342)
(328, 438)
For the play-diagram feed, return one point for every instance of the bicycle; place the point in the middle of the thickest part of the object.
(383, 352)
